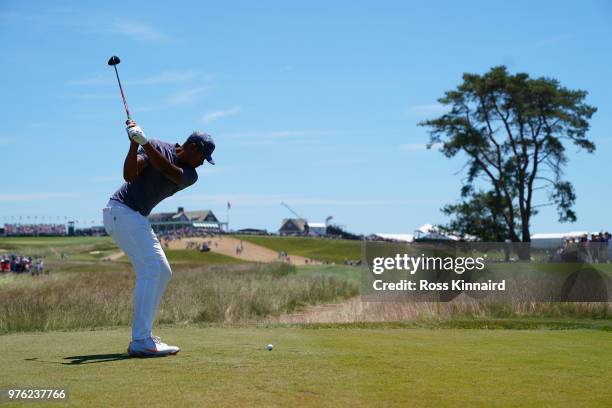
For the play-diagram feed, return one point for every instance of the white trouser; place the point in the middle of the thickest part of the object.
(133, 234)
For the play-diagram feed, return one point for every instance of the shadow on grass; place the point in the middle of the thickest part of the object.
(102, 358)
(96, 358)
(91, 359)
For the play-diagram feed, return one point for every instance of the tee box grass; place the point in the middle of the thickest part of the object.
(329, 367)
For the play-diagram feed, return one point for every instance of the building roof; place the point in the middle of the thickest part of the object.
(298, 223)
(159, 217)
(198, 215)
(192, 216)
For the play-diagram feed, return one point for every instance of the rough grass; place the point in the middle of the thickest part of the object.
(476, 314)
(96, 294)
(462, 309)
(321, 249)
(368, 367)
(214, 293)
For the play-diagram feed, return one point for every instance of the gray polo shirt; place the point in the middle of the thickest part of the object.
(152, 186)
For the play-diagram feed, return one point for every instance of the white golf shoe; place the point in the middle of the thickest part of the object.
(152, 346)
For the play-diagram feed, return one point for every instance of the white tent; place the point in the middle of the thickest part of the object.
(396, 237)
(317, 228)
(431, 232)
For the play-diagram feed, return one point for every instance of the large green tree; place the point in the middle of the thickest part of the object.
(480, 215)
(513, 132)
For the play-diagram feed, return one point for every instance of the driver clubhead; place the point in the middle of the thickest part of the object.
(114, 60)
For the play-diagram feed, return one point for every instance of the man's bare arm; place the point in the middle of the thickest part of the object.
(158, 161)
(133, 164)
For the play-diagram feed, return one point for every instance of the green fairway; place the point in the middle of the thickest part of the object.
(24, 242)
(97, 248)
(73, 248)
(321, 249)
(229, 367)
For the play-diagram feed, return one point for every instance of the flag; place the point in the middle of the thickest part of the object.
(229, 205)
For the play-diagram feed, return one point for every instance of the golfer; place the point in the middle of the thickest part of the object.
(153, 170)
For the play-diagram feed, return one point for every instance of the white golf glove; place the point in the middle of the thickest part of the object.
(136, 134)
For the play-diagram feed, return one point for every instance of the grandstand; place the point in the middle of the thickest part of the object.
(34, 230)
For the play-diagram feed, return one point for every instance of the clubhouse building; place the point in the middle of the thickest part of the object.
(299, 226)
(201, 220)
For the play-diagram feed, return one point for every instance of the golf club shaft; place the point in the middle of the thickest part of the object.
(127, 110)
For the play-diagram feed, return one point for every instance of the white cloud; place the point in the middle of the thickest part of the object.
(188, 96)
(105, 179)
(137, 31)
(7, 140)
(217, 114)
(242, 199)
(89, 96)
(38, 125)
(174, 99)
(554, 40)
(357, 201)
(277, 134)
(166, 77)
(21, 197)
(334, 162)
(274, 137)
(97, 80)
(417, 147)
(88, 23)
(212, 170)
(427, 109)
(259, 200)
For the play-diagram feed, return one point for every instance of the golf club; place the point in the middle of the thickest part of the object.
(114, 61)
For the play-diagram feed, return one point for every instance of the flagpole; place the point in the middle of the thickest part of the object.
(227, 208)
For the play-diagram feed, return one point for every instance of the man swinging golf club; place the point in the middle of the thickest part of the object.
(153, 170)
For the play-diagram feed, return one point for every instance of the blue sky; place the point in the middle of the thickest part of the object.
(315, 104)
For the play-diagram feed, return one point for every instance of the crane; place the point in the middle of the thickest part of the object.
(292, 212)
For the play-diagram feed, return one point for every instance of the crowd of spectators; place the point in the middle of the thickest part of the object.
(90, 232)
(589, 248)
(202, 247)
(21, 264)
(186, 232)
(33, 230)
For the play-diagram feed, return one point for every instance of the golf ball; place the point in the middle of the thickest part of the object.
(269, 347)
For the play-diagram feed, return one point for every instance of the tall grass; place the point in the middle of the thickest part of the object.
(90, 295)
(358, 311)
(216, 293)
